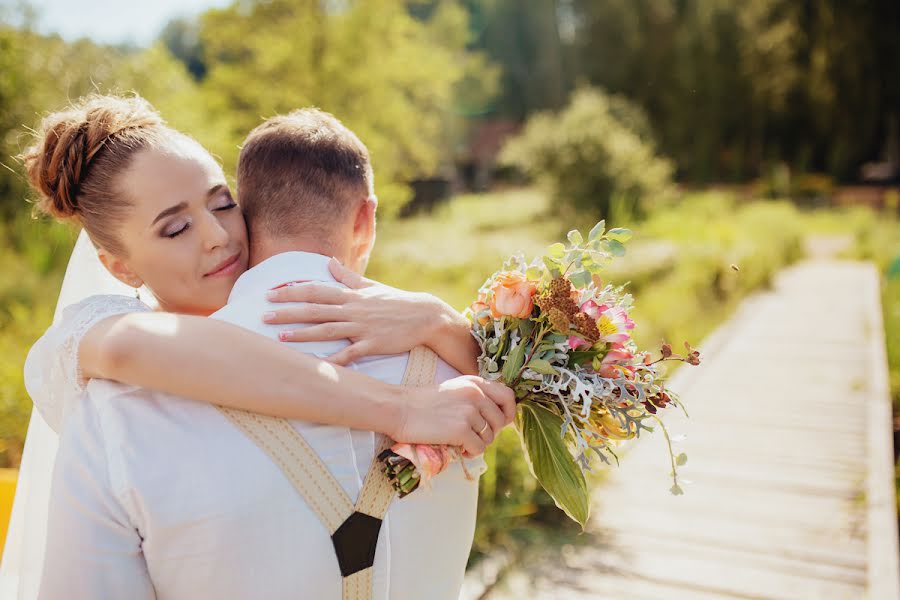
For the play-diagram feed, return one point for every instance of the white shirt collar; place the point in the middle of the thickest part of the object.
(280, 269)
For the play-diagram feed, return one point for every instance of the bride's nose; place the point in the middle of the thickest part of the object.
(214, 235)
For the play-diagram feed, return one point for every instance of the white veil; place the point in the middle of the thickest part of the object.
(23, 555)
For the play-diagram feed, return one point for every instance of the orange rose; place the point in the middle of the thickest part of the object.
(479, 306)
(513, 295)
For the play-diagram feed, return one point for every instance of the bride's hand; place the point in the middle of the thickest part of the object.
(465, 411)
(377, 319)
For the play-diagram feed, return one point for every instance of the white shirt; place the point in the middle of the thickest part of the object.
(160, 497)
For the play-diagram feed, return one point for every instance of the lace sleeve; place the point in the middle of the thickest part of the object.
(53, 375)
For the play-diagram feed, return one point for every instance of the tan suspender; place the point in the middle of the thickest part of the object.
(354, 529)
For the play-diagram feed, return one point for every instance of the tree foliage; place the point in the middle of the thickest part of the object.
(597, 155)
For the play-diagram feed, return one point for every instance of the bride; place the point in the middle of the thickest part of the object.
(84, 165)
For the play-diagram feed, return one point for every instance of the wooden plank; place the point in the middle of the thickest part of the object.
(788, 440)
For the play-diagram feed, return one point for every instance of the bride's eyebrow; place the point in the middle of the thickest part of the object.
(183, 205)
(169, 211)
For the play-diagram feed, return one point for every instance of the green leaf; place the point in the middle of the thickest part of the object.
(541, 366)
(534, 273)
(681, 459)
(556, 250)
(553, 267)
(616, 248)
(676, 490)
(620, 234)
(580, 357)
(514, 361)
(550, 462)
(597, 231)
(526, 326)
(575, 238)
(580, 279)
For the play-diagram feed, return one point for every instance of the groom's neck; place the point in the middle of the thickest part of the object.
(263, 247)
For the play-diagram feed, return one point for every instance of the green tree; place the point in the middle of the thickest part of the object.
(596, 155)
(390, 77)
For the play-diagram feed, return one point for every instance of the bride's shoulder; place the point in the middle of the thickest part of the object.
(100, 306)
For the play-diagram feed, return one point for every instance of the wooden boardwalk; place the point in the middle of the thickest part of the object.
(789, 447)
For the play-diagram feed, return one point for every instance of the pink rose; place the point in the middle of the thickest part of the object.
(513, 295)
(429, 460)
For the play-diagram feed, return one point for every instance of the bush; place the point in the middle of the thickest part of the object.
(598, 155)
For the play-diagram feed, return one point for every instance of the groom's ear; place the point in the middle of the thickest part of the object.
(119, 269)
(364, 232)
(364, 223)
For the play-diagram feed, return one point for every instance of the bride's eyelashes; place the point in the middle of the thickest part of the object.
(177, 228)
(172, 232)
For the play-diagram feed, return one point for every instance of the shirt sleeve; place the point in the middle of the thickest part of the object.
(93, 548)
(53, 375)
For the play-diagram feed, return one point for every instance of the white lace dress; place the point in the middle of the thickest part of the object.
(52, 373)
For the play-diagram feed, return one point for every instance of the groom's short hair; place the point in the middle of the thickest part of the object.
(298, 172)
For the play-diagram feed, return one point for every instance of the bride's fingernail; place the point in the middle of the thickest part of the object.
(283, 336)
(271, 295)
(269, 316)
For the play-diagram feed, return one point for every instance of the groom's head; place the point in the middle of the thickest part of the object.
(305, 182)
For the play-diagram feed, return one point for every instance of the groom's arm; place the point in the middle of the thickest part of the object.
(93, 550)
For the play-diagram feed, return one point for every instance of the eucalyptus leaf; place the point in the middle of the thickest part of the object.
(580, 279)
(681, 459)
(556, 250)
(620, 234)
(534, 273)
(616, 247)
(597, 231)
(575, 238)
(550, 461)
(553, 267)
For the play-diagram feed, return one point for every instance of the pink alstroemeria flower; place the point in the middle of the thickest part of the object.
(612, 321)
(617, 363)
(576, 342)
(429, 460)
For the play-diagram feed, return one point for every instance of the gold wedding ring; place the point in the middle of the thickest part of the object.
(483, 428)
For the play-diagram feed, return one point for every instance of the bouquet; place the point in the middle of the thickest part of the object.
(561, 338)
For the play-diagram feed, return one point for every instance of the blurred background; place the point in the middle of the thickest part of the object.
(721, 132)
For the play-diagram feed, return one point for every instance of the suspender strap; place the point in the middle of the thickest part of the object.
(354, 529)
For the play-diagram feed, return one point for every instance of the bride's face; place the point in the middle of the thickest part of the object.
(185, 236)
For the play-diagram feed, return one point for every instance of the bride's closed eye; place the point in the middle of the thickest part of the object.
(222, 203)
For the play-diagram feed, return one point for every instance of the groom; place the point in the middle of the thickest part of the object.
(162, 497)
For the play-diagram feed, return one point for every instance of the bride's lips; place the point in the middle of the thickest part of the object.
(226, 267)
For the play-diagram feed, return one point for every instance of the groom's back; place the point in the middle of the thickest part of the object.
(215, 517)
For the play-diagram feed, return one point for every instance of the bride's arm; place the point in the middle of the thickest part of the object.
(377, 319)
(210, 360)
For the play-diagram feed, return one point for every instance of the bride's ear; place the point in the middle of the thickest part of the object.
(119, 269)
